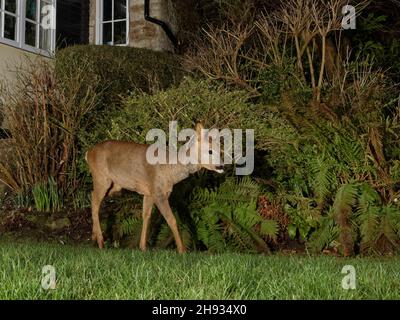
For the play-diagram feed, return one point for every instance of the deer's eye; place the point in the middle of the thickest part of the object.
(210, 152)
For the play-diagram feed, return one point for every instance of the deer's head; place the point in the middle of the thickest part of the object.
(208, 150)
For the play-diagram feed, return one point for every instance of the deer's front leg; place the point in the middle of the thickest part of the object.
(97, 197)
(163, 205)
(147, 209)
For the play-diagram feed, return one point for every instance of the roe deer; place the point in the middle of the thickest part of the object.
(117, 165)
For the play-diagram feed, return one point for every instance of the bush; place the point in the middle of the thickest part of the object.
(44, 116)
(336, 168)
(191, 102)
(120, 70)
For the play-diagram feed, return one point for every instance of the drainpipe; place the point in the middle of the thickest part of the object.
(162, 24)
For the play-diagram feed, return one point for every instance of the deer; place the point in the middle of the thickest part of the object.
(115, 165)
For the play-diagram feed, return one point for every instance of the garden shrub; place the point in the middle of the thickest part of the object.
(44, 116)
(336, 168)
(191, 102)
(120, 70)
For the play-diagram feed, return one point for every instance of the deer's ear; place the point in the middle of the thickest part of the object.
(199, 127)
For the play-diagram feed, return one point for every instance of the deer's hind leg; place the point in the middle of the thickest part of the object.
(101, 185)
(148, 203)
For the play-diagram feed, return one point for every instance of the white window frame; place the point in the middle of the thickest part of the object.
(19, 42)
(100, 23)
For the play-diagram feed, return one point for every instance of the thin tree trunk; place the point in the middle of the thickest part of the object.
(322, 70)
(312, 70)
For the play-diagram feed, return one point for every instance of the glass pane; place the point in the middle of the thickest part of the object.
(45, 39)
(11, 6)
(30, 34)
(119, 9)
(10, 27)
(31, 9)
(107, 33)
(120, 32)
(107, 10)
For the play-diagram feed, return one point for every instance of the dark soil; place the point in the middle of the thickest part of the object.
(72, 226)
(22, 224)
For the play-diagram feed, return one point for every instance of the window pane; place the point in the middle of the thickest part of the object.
(11, 6)
(120, 32)
(107, 33)
(30, 34)
(107, 10)
(31, 9)
(45, 39)
(119, 9)
(10, 27)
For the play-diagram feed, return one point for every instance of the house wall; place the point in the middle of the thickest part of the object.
(142, 34)
(12, 58)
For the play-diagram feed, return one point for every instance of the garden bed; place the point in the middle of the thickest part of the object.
(65, 227)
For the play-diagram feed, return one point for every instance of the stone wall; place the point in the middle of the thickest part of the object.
(142, 34)
(92, 22)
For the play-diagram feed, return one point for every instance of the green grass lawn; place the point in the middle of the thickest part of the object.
(88, 273)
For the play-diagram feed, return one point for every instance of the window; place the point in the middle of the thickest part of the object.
(28, 24)
(9, 19)
(113, 22)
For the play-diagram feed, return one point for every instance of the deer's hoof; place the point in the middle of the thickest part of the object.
(99, 239)
(100, 243)
(182, 250)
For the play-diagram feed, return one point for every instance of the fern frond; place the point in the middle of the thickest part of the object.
(325, 235)
(324, 177)
(345, 200)
(226, 217)
(164, 236)
(369, 224)
(368, 197)
(269, 228)
(130, 226)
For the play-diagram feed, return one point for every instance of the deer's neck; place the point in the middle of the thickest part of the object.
(180, 172)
